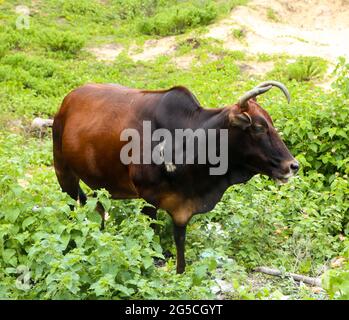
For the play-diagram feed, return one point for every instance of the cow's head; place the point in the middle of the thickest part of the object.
(261, 149)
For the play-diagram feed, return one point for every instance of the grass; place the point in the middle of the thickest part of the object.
(178, 18)
(302, 69)
(239, 34)
(272, 15)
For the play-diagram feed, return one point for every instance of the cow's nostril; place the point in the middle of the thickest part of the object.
(294, 166)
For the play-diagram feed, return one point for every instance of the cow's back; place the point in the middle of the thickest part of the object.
(86, 133)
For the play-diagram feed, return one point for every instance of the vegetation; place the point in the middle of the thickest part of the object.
(178, 18)
(302, 69)
(239, 33)
(272, 15)
(49, 252)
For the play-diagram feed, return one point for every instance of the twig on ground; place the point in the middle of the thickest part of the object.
(275, 272)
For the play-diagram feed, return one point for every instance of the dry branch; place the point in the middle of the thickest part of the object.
(275, 272)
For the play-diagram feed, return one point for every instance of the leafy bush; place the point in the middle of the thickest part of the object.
(272, 15)
(133, 8)
(177, 19)
(342, 78)
(289, 219)
(315, 128)
(41, 77)
(10, 39)
(239, 33)
(66, 42)
(68, 257)
(336, 280)
(181, 16)
(87, 10)
(303, 69)
(82, 7)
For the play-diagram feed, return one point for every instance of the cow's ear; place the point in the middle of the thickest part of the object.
(242, 120)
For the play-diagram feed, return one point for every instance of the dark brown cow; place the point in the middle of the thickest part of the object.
(87, 146)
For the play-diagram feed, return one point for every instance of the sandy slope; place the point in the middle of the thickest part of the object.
(307, 27)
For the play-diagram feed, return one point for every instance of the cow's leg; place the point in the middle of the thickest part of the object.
(68, 181)
(82, 196)
(101, 211)
(180, 218)
(151, 213)
(179, 232)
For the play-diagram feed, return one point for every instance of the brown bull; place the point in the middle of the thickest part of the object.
(87, 145)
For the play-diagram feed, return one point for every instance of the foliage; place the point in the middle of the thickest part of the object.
(239, 33)
(321, 133)
(188, 14)
(272, 15)
(303, 69)
(177, 19)
(336, 280)
(66, 42)
(342, 78)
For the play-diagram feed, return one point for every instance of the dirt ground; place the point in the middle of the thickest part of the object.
(298, 27)
(307, 27)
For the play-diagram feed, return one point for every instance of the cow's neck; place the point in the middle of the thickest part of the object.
(197, 178)
(212, 118)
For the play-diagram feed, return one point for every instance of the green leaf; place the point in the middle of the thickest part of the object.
(12, 214)
(27, 222)
(147, 262)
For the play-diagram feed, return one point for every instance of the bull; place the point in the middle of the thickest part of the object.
(87, 146)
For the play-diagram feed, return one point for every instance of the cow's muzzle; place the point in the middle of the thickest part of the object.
(289, 169)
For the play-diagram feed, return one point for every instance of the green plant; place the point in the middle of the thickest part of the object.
(66, 42)
(176, 20)
(336, 280)
(341, 73)
(305, 69)
(239, 34)
(272, 15)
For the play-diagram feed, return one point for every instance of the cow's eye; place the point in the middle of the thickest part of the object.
(258, 128)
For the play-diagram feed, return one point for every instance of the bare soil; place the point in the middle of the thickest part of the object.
(307, 27)
(300, 27)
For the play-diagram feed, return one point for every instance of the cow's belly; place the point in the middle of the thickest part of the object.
(100, 167)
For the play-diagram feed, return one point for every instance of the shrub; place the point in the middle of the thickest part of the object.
(290, 218)
(66, 42)
(272, 15)
(131, 9)
(303, 69)
(178, 19)
(341, 73)
(315, 128)
(68, 257)
(306, 68)
(336, 280)
(239, 34)
(87, 10)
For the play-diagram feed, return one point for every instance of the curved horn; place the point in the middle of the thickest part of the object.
(251, 94)
(279, 85)
(262, 88)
